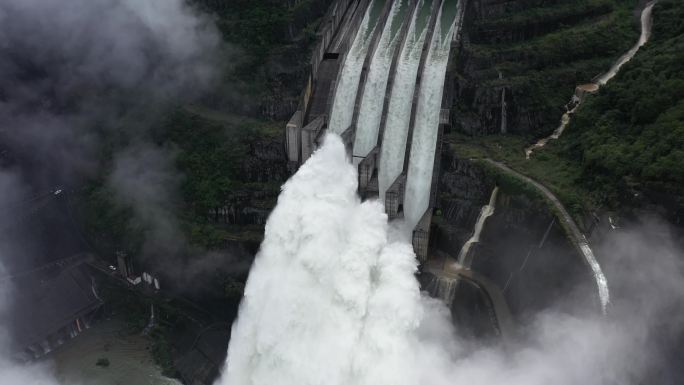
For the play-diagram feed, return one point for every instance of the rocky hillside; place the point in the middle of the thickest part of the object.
(268, 60)
(532, 54)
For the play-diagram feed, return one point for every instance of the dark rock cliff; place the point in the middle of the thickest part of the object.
(463, 189)
(522, 248)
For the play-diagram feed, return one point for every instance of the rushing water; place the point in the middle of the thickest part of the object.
(399, 110)
(646, 24)
(426, 129)
(332, 297)
(370, 111)
(486, 211)
(443, 287)
(348, 81)
(599, 277)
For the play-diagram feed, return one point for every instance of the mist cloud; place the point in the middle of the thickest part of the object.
(80, 77)
(332, 299)
(85, 76)
(12, 191)
(73, 70)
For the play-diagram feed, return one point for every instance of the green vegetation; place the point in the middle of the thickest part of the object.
(513, 185)
(548, 166)
(102, 362)
(161, 350)
(211, 155)
(134, 309)
(539, 51)
(625, 142)
(215, 153)
(260, 26)
(629, 139)
(265, 36)
(538, 16)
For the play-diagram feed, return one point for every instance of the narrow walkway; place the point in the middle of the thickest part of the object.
(578, 239)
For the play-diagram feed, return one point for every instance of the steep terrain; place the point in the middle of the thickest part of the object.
(530, 55)
(628, 140)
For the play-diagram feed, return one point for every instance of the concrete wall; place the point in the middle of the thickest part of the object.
(301, 139)
(293, 137)
(394, 198)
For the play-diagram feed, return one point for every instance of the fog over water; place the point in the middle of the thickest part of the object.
(332, 299)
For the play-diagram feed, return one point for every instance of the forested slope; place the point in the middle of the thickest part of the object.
(629, 139)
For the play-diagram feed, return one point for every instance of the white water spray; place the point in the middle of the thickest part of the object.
(348, 81)
(443, 287)
(424, 143)
(331, 298)
(395, 137)
(370, 111)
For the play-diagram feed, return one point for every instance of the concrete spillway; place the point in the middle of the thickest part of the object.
(399, 109)
(370, 111)
(348, 80)
(426, 125)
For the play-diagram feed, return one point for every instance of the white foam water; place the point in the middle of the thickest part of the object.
(426, 129)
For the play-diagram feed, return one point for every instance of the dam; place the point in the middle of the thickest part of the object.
(377, 79)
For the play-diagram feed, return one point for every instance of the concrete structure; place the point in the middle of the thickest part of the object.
(308, 124)
(421, 236)
(375, 40)
(394, 198)
(578, 239)
(333, 35)
(368, 175)
(50, 308)
(310, 135)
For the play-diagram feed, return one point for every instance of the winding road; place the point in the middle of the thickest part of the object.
(578, 239)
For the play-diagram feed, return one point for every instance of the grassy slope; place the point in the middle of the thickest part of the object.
(627, 139)
(215, 139)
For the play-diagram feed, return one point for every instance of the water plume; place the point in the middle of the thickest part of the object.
(332, 299)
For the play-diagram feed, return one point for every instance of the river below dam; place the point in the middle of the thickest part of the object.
(129, 356)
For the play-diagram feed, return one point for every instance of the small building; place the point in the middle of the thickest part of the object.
(50, 308)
